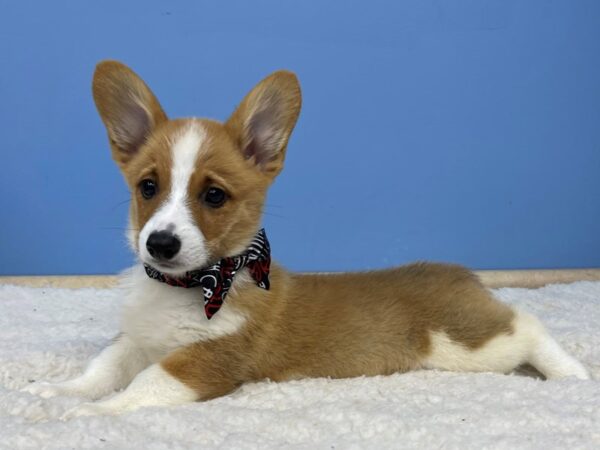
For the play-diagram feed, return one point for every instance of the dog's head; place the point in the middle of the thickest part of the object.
(197, 185)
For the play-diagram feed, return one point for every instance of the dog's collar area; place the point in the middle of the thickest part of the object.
(216, 280)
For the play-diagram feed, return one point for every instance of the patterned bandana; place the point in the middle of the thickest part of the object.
(216, 280)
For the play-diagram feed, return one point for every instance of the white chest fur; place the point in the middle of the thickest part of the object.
(160, 318)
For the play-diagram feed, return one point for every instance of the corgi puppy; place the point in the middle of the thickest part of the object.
(206, 310)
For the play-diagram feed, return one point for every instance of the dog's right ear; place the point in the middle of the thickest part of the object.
(127, 107)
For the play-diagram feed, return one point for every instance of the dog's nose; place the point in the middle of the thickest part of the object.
(163, 244)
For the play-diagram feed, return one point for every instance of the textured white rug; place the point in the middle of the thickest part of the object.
(51, 333)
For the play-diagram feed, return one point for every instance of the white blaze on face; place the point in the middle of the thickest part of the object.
(174, 214)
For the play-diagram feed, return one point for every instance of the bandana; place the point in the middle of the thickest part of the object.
(217, 279)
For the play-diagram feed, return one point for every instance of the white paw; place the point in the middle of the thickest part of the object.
(87, 409)
(46, 390)
(579, 374)
(572, 369)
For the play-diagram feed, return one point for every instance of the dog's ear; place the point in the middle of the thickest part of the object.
(127, 107)
(262, 123)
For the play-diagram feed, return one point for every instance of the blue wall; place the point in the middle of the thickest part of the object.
(466, 131)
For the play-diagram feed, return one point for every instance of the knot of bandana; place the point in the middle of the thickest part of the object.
(217, 279)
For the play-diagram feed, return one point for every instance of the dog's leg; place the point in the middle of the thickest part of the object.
(529, 343)
(112, 369)
(153, 386)
(197, 372)
(547, 356)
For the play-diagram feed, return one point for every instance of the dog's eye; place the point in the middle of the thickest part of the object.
(215, 197)
(148, 189)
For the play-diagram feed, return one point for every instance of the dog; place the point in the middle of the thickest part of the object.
(206, 310)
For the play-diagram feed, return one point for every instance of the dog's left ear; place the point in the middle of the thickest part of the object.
(127, 106)
(262, 124)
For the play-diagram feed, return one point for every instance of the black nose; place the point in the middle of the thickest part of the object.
(163, 244)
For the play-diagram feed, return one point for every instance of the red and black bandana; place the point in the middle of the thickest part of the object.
(216, 280)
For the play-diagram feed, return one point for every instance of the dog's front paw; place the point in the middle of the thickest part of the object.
(47, 390)
(87, 409)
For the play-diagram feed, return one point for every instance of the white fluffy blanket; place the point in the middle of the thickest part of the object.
(52, 333)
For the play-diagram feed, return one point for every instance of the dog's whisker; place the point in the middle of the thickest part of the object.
(119, 228)
(278, 216)
(267, 213)
(120, 204)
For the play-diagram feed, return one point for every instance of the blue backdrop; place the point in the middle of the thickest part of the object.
(465, 131)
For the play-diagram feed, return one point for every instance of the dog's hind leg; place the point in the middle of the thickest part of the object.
(529, 342)
(545, 354)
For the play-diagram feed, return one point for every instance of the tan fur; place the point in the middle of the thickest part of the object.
(344, 325)
(339, 325)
